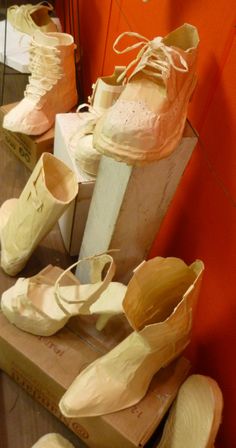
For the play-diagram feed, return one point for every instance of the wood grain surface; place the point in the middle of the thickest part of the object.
(23, 421)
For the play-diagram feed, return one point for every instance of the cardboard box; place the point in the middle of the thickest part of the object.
(27, 148)
(73, 221)
(46, 366)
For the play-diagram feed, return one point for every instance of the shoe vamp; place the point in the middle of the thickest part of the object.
(25, 117)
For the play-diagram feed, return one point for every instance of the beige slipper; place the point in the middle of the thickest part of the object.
(195, 417)
(43, 304)
(52, 440)
(159, 303)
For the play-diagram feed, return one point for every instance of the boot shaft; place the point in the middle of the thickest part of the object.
(49, 190)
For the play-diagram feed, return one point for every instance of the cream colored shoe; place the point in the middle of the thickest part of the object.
(52, 440)
(50, 189)
(29, 18)
(106, 91)
(147, 121)
(159, 304)
(52, 85)
(43, 304)
(195, 417)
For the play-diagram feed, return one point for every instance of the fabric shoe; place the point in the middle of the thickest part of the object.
(51, 88)
(106, 91)
(147, 121)
(29, 18)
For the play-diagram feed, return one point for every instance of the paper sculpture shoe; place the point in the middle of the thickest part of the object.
(106, 91)
(29, 18)
(49, 191)
(147, 121)
(195, 416)
(43, 304)
(52, 440)
(159, 304)
(51, 88)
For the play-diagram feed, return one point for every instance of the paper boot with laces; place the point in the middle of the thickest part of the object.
(29, 18)
(52, 440)
(159, 304)
(51, 88)
(106, 91)
(195, 416)
(50, 189)
(147, 121)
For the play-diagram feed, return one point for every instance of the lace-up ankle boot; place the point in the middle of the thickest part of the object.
(51, 88)
(50, 189)
(147, 121)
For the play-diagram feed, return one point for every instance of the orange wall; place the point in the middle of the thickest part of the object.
(201, 222)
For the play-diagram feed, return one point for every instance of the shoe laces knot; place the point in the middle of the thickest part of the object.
(46, 69)
(155, 58)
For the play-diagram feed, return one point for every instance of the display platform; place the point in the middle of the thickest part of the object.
(73, 221)
(17, 46)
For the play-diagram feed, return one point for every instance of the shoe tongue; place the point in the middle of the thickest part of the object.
(46, 39)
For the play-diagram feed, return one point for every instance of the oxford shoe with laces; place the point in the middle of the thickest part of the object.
(51, 88)
(147, 121)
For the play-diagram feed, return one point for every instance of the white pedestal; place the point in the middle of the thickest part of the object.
(129, 204)
(73, 221)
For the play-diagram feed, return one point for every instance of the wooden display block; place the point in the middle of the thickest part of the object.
(46, 366)
(129, 204)
(28, 148)
(73, 221)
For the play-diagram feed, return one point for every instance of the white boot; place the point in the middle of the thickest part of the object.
(106, 91)
(52, 85)
(159, 303)
(195, 416)
(50, 189)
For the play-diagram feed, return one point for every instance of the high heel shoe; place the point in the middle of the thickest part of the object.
(195, 416)
(43, 304)
(159, 304)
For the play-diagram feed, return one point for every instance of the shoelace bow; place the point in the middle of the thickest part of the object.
(154, 58)
(45, 70)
